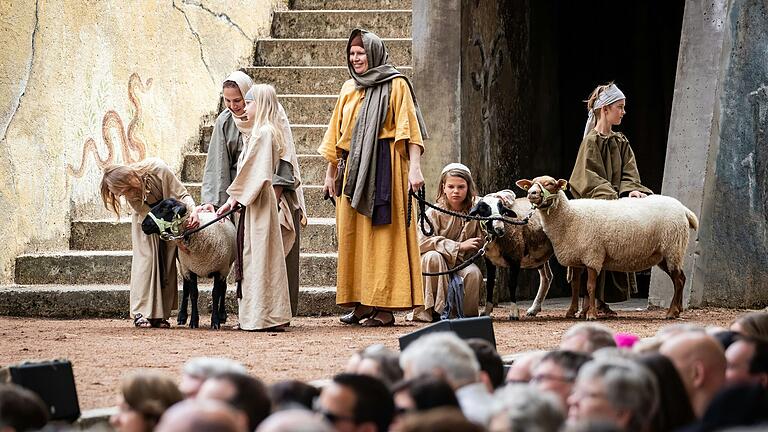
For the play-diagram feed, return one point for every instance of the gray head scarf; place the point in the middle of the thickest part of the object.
(377, 80)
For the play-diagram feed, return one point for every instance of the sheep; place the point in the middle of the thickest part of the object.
(627, 235)
(514, 247)
(209, 253)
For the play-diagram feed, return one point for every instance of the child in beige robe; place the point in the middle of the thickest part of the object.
(454, 240)
(265, 302)
(154, 282)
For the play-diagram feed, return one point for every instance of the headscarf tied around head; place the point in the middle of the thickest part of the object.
(377, 80)
(610, 95)
(244, 83)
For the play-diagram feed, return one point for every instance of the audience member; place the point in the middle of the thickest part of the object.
(245, 394)
(444, 419)
(445, 355)
(593, 425)
(670, 330)
(675, 410)
(647, 345)
(145, 396)
(491, 365)
(700, 361)
(292, 394)
(747, 362)
(21, 410)
(198, 369)
(557, 371)
(422, 394)
(521, 370)
(753, 324)
(614, 389)
(356, 403)
(725, 337)
(737, 405)
(195, 415)
(519, 407)
(294, 420)
(587, 338)
(380, 362)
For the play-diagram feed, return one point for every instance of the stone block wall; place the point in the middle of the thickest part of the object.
(82, 82)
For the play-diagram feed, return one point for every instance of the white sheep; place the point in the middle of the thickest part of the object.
(209, 253)
(514, 246)
(627, 235)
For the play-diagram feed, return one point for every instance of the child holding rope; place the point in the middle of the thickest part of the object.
(454, 240)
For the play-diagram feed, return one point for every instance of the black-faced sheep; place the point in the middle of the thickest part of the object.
(208, 253)
(514, 246)
(627, 235)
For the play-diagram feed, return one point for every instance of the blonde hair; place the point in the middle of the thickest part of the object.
(150, 394)
(123, 179)
(268, 114)
(593, 97)
(471, 187)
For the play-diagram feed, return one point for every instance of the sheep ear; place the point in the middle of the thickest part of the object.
(474, 209)
(524, 184)
(562, 184)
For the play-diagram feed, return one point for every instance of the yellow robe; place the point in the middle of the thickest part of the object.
(154, 283)
(441, 252)
(266, 301)
(377, 265)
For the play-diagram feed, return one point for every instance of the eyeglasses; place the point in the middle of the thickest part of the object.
(334, 418)
(547, 377)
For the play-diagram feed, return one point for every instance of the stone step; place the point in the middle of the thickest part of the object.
(325, 80)
(307, 138)
(308, 109)
(349, 4)
(313, 195)
(326, 24)
(114, 267)
(312, 166)
(112, 301)
(320, 52)
(319, 236)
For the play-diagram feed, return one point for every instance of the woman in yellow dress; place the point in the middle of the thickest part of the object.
(375, 135)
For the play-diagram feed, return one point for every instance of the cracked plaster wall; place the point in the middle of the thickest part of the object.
(65, 63)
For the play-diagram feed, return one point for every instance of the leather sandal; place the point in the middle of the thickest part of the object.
(376, 322)
(353, 319)
(141, 322)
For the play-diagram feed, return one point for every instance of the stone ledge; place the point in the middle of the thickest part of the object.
(112, 301)
(323, 24)
(320, 52)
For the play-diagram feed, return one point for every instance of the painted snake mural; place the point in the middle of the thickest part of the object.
(133, 149)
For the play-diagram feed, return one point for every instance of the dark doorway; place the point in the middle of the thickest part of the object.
(557, 52)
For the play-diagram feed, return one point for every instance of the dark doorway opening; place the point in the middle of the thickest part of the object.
(571, 48)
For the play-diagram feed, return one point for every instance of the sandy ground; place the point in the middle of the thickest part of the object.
(103, 350)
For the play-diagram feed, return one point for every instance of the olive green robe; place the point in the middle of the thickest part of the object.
(606, 169)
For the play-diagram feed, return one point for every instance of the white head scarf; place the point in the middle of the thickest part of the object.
(244, 83)
(607, 97)
(244, 125)
(456, 166)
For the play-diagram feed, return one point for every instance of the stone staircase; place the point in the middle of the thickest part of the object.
(305, 62)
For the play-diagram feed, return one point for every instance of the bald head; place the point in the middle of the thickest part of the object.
(199, 415)
(294, 420)
(700, 361)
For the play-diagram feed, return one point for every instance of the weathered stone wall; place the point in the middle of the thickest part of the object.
(126, 79)
(716, 159)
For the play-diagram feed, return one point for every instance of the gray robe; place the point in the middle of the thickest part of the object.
(221, 163)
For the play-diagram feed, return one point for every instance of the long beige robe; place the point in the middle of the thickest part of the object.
(154, 283)
(377, 265)
(605, 168)
(266, 301)
(440, 252)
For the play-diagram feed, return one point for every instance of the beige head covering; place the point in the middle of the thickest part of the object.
(456, 166)
(244, 83)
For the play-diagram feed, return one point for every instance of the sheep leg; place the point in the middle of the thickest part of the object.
(575, 291)
(191, 285)
(217, 297)
(591, 313)
(222, 310)
(678, 280)
(513, 272)
(545, 280)
(490, 286)
(182, 318)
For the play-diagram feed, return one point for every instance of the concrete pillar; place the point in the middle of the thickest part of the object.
(436, 78)
(716, 161)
